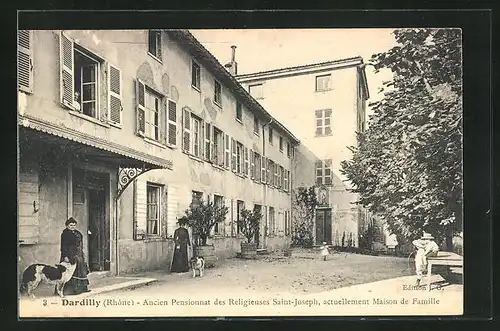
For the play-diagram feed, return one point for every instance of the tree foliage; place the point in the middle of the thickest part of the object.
(304, 206)
(249, 223)
(407, 166)
(203, 216)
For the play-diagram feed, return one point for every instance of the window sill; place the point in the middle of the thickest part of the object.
(153, 142)
(196, 88)
(323, 135)
(154, 57)
(327, 90)
(196, 158)
(239, 120)
(118, 126)
(218, 166)
(154, 239)
(88, 118)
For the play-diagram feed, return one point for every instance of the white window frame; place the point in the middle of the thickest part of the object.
(323, 126)
(197, 85)
(323, 165)
(158, 189)
(159, 43)
(323, 87)
(219, 227)
(197, 122)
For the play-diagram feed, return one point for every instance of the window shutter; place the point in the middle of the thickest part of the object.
(115, 108)
(172, 208)
(319, 172)
(207, 135)
(140, 210)
(162, 121)
(186, 136)
(213, 156)
(25, 60)
(67, 83)
(227, 151)
(227, 220)
(289, 181)
(172, 123)
(252, 164)
(28, 230)
(285, 181)
(140, 97)
(263, 169)
(245, 165)
(233, 159)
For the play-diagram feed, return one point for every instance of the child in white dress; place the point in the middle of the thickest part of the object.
(324, 251)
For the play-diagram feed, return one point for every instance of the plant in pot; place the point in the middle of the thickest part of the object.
(202, 218)
(249, 225)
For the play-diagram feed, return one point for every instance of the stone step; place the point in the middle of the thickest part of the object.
(262, 251)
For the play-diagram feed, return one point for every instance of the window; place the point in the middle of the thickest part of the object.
(239, 157)
(288, 150)
(218, 201)
(270, 136)
(217, 93)
(323, 83)
(25, 60)
(196, 198)
(281, 144)
(197, 136)
(153, 210)
(154, 44)
(195, 75)
(256, 167)
(287, 223)
(270, 172)
(80, 83)
(152, 105)
(239, 112)
(323, 122)
(227, 151)
(255, 124)
(208, 142)
(240, 205)
(272, 221)
(218, 147)
(324, 172)
(281, 175)
(256, 91)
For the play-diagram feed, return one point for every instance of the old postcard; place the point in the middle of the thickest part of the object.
(278, 172)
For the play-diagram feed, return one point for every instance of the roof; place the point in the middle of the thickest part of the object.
(193, 46)
(92, 141)
(356, 61)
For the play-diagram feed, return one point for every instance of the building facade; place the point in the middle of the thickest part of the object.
(123, 130)
(324, 105)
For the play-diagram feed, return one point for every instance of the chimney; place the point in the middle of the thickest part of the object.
(233, 65)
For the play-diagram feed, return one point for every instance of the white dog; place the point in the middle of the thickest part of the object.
(58, 275)
(197, 263)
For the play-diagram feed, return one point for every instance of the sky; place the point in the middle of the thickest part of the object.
(267, 49)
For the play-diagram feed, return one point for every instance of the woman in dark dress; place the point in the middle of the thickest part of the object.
(181, 243)
(72, 250)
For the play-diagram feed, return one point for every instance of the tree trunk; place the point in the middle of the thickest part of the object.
(449, 238)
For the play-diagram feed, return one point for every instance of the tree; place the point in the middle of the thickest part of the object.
(249, 223)
(304, 207)
(202, 217)
(407, 166)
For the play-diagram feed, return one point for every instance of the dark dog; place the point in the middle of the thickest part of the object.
(58, 275)
(197, 263)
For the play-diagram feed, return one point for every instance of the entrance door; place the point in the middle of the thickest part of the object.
(89, 208)
(324, 226)
(258, 208)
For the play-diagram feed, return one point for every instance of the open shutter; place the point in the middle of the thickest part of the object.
(140, 97)
(252, 164)
(115, 95)
(25, 60)
(67, 82)
(214, 153)
(140, 209)
(172, 123)
(28, 230)
(233, 159)
(245, 165)
(207, 135)
(227, 151)
(162, 124)
(286, 181)
(172, 208)
(186, 136)
(263, 169)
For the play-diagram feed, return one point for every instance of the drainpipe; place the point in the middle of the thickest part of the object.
(116, 237)
(267, 179)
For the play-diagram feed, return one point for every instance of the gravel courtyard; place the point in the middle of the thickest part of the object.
(304, 272)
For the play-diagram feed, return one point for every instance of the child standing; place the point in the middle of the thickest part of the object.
(324, 250)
